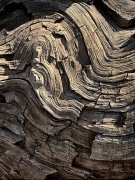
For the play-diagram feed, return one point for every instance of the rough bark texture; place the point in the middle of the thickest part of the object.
(67, 89)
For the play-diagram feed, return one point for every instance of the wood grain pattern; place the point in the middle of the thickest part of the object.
(67, 89)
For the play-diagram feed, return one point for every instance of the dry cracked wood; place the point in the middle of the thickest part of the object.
(67, 89)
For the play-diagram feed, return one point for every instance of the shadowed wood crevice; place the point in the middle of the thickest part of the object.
(16, 13)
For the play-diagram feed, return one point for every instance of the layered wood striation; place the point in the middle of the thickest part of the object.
(67, 95)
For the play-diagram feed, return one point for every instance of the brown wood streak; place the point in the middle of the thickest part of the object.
(67, 89)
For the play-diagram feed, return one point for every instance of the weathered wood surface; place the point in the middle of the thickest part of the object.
(67, 89)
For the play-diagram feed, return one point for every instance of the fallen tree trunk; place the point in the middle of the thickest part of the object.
(67, 89)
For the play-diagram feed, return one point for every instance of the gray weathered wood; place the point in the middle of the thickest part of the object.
(67, 89)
